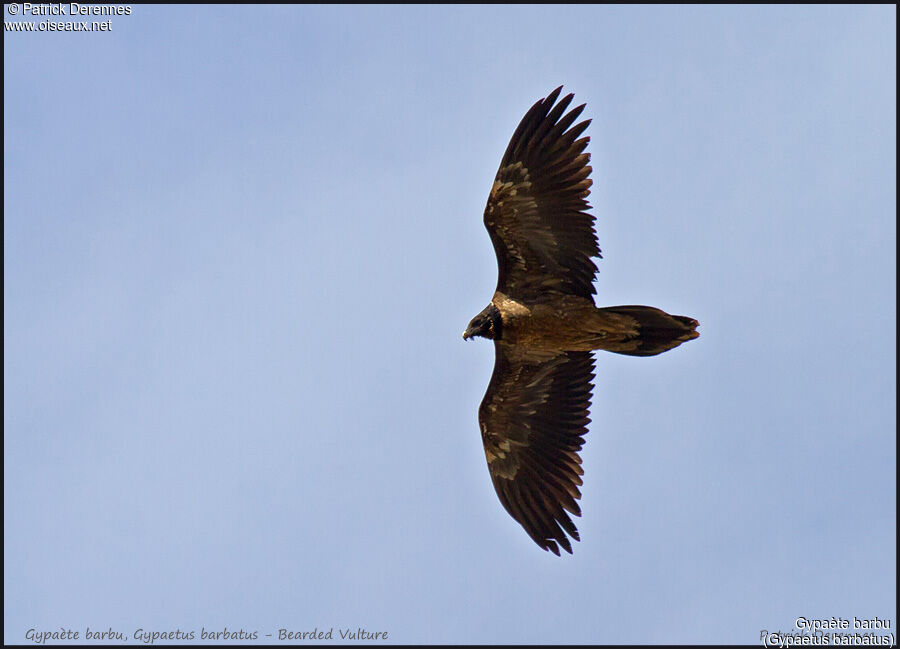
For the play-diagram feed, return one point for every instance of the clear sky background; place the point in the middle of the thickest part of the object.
(241, 246)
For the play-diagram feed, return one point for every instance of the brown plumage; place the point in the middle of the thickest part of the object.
(544, 323)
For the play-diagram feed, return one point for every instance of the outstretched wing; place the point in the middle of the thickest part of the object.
(533, 419)
(535, 213)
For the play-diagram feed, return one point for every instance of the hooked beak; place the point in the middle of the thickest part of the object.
(466, 335)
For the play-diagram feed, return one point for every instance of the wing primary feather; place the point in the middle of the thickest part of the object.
(547, 125)
(560, 128)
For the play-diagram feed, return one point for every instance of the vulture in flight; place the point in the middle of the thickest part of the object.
(544, 323)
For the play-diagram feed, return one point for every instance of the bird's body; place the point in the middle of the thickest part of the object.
(561, 323)
(571, 323)
(544, 323)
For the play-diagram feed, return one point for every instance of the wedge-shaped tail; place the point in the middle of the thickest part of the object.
(651, 331)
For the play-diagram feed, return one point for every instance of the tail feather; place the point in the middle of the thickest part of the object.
(657, 331)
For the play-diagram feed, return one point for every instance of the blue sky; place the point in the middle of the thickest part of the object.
(240, 247)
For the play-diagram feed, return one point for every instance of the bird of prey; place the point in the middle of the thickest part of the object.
(544, 323)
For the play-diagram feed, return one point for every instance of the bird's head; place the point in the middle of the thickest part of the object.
(487, 324)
